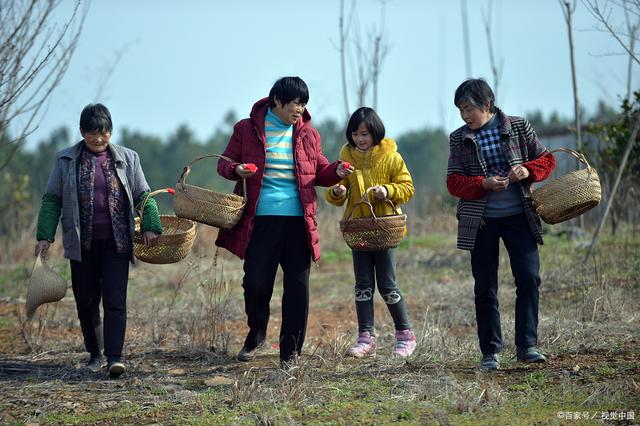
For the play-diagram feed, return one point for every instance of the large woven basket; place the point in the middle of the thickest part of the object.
(45, 286)
(203, 205)
(373, 233)
(173, 245)
(569, 195)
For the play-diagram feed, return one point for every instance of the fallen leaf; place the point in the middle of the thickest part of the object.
(177, 372)
(218, 381)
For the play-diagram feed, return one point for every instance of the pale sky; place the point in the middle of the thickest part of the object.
(192, 61)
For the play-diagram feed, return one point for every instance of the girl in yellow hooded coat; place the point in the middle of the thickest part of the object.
(376, 166)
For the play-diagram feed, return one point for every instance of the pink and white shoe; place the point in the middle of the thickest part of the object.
(405, 343)
(365, 346)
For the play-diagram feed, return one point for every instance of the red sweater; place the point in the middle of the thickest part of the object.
(470, 187)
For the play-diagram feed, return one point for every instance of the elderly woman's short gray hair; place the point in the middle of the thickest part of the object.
(476, 92)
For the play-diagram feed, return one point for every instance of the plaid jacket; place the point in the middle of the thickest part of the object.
(520, 145)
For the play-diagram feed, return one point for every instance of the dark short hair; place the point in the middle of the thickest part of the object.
(475, 91)
(96, 117)
(288, 89)
(370, 119)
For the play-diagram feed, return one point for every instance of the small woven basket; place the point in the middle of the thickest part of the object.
(203, 205)
(373, 233)
(569, 195)
(45, 286)
(173, 245)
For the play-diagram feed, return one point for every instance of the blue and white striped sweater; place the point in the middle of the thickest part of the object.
(279, 193)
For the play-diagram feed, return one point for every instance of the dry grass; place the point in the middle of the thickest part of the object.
(186, 321)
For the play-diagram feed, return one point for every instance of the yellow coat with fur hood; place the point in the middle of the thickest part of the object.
(381, 165)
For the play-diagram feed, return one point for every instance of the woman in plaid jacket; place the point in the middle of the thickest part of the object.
(493, 160)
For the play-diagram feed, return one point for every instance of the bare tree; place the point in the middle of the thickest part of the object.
(344, 36)
(623, 163)
(632, 28)
(368, 58)
(568, 9)
(35, 52)
(465, 39)
(496, 69)
(602, 11)
(365, 57)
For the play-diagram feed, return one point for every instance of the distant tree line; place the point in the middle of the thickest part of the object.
(163, 159)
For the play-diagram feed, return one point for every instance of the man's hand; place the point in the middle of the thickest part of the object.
(41, 247)
(339, 190)
(150, 238)
(517, 173)
(495, 183)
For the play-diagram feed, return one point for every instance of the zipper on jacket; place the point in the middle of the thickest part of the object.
(297, 175)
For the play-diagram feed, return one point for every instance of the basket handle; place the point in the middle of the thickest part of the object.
(187, 170)
(578, 155)
(140, 207)
(365, 200)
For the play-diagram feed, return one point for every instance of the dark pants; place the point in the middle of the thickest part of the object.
(277, 240)
(371, 267)
(525, 267)
(102, 275)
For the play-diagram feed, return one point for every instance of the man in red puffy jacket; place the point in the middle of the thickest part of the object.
(279, 225)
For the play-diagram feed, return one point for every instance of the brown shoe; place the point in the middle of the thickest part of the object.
(248, 354)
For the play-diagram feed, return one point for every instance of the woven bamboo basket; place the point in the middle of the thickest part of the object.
(569, 195)
(203, 205)
(45, 286)
(373, 233)
(173, 245)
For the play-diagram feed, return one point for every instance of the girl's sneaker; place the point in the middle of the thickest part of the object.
(365, 346)
(405, 343)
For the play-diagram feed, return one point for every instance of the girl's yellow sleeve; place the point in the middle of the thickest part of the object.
(334, 199)
(400, 189)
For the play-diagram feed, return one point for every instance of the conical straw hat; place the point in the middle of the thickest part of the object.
(45, 286)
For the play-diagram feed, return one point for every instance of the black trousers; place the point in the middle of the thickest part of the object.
(371, 267)
(525, 267)
(283, 241)
(102, 275)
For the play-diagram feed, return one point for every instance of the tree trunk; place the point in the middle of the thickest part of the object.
(623, 164)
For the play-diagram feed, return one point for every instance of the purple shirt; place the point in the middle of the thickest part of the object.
(101, 217)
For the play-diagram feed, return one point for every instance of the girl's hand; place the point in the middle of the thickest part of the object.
(41, 247)
(344, 169)
(495, 183)
(150, 238)
(380, 192)
(339, 190)
(245, 170)
(517, 173)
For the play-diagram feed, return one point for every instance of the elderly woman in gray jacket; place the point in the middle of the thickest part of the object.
(96, 185)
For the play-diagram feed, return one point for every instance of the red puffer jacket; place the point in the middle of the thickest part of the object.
(247, 145)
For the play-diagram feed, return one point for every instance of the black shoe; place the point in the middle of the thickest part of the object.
(96, 362)
(490, 362)
(530, 354)
(115, 369)
(246, 354)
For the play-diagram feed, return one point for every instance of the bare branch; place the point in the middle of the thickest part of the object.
(34, 56)
(495, 69)
(568, 10)
(623, 163)
(365, 58)
(603, 15)
(465, 32)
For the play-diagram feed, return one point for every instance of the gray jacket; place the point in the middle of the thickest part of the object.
(63, 183)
